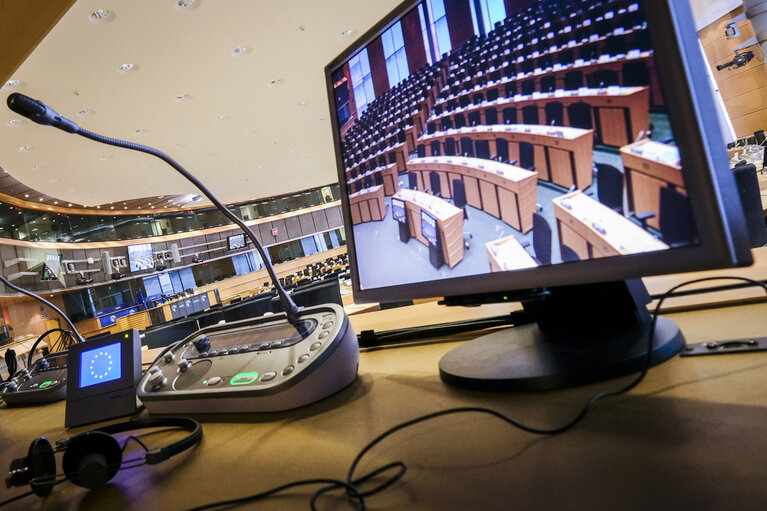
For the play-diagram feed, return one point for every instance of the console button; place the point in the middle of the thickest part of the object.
(244, 378)
(264, 346)
(303, 358)
(214, 381)
(268, 376)
(327, 325)
(324, 335)
(315, 346)
(276, 344)
(288, 370)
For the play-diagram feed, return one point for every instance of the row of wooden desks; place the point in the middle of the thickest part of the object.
(593, 230)
(368, 205)
(619, 113)
(562, 155)
(388, 176)
(505, 191)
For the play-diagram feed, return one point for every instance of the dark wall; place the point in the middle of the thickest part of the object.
(514, 6)
(458, 15)
(414, 48)
(378, 67)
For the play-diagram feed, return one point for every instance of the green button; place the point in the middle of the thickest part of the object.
(45, 384)
(243, 378)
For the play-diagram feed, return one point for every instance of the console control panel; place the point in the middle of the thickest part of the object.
(255, 365)
(44, 382)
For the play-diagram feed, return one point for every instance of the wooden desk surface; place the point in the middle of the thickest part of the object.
(689, 437)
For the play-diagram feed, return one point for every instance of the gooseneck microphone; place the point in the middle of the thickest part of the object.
(41, 113)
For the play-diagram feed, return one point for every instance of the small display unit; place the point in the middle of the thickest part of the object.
(140, 257)
(398, 210)
(429, 228)
(235, 242)
(103, 374)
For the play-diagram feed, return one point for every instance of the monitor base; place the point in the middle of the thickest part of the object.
(581, 334)
(524, 358)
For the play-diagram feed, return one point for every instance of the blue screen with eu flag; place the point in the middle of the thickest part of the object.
(100, 365)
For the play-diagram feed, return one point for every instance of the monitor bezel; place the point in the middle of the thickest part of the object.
(721, 229)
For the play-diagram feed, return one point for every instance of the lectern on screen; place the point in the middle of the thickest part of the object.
(568, 148)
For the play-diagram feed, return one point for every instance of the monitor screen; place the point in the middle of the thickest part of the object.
(236, 242)
(140, 257)
(429, 228)
(398, 210)
(572, 140)
(100, 365)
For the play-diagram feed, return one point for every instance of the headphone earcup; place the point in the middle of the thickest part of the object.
(38, 469)
(92, 459)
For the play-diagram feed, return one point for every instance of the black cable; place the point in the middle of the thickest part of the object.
(17, 497)
(352, 485)
(46, 302)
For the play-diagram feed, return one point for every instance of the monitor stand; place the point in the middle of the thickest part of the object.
(579, 334)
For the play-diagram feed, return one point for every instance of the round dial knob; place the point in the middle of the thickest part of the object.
(24, 376)
(168, 357)
(183, 365)
(11, 386)
(202, 344)
(43, 363)
(156, 380)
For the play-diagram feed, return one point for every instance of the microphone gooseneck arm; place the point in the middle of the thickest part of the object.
(291, 309)
(41, 113)
(46, 302)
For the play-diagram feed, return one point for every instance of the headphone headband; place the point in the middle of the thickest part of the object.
(163, 453)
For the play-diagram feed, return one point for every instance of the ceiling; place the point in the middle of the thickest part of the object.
(234, 90)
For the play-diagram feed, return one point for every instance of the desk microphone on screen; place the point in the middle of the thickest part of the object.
(259, 364)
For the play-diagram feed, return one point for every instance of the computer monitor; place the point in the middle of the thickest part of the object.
(604, 167)
(235, 242)
(140, 257)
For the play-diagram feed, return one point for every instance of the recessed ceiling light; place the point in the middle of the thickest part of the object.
(112, 207)
(140, 131)
(55, 202)
(26, 195)
(127, 68)
(24, 149)
(345, 34)
(15, 122)
(12, 83)
(302, 28)
(183, 97)
(36, 167)
(41, 199)
(76, 92)
(187, 5)
(303, 103)
(240, 50)
(276, 82)
(222, 117)
(70, 204)
(101, 16)
(84, 113)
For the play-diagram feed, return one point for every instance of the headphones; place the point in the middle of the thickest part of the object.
(92, 458)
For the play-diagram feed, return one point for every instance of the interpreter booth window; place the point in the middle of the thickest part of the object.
(439, 27)
(394, 51)
(362, 81)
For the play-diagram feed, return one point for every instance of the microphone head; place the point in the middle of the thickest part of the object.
(26, 106)
(40, 113)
